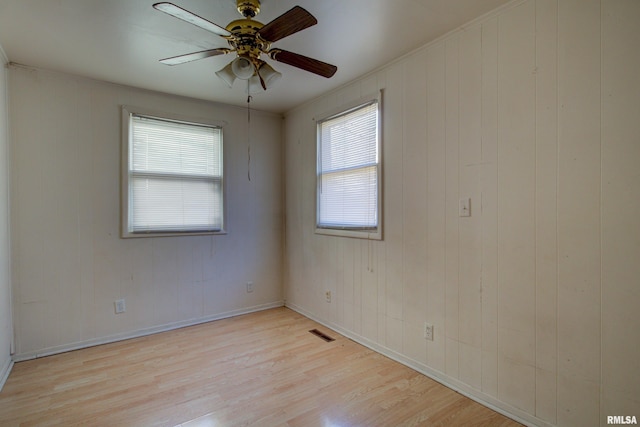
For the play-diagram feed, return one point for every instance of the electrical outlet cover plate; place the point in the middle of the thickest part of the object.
(428, 331)
(120, 306)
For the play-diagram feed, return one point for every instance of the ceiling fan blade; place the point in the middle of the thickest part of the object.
(192, 18)
(296, 19)
(305, 63)
(181, 59)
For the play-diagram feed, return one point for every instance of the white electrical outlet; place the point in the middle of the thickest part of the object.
(249, 287)
(120, 306)
(327, 295)
(428, 331)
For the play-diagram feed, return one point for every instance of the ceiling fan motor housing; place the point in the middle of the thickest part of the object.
(244, 40)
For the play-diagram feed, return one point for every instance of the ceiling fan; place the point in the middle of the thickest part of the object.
(249, 39)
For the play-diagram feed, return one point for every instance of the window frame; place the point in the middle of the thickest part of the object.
(365, 233)
(127, 113)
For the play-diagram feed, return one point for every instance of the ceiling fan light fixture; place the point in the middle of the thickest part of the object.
(243, 68)
(254, 85)
(227, 75)
(269, 76)
(264, 78)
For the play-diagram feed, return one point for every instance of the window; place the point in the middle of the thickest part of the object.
(172, 176)
(348, 172)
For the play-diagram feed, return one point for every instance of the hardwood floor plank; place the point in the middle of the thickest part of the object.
(261, 369)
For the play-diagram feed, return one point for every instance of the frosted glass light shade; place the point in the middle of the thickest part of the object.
(269, 75)
(227, 75)
(243, 68)
(254, 84)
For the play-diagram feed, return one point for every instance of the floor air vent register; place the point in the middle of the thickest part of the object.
(322, 335)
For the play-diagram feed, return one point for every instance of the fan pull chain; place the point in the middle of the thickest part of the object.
(248, 133)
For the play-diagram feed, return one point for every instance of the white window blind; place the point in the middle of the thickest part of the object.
(348, 170)
(175, 179)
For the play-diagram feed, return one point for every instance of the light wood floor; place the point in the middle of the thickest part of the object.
(261, 369)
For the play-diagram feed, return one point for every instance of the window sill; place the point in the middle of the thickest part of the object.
(128, 235)
(365, 234)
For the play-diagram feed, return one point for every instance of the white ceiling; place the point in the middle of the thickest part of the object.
(121, 41)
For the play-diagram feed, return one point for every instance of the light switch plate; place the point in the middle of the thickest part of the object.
(464, 209)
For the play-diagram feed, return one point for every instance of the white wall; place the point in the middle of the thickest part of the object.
(69, 262)
(6, 332)
(533, 113)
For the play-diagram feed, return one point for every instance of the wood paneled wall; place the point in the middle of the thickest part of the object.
(69, 262)
(533, 113)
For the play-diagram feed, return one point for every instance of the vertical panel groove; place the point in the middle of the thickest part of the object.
(601, 206)
(557, 71)
(535, 202)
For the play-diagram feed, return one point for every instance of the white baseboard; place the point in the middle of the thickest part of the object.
(4, 372)
(19, 357)
(452, 383)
